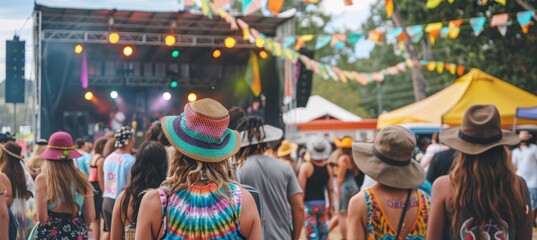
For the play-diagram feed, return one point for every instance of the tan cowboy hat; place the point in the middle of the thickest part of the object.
(286, 148)
(524, 135)
(389, 159)
(480, 131)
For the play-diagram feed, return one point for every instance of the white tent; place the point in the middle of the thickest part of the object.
(318, 107)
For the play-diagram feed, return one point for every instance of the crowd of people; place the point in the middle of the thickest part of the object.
(210, 173)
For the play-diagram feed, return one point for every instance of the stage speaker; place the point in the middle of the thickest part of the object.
(305, 77)
(15, 70)
(76, 124)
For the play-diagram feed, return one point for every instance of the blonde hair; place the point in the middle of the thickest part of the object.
(185, 172)
(62, 179)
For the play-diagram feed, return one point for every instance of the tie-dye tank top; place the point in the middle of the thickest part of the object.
(378, 226)
(199, 213)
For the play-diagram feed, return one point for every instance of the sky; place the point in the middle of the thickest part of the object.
(15, 17)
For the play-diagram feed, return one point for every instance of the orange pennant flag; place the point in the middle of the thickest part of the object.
(460, 70)
(347, 2)
(389, 8)
(275, 6)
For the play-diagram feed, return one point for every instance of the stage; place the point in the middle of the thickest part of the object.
(151, 61)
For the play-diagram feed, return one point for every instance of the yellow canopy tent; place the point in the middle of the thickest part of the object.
(448, 105)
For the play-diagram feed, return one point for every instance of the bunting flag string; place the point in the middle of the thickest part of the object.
(435, 3)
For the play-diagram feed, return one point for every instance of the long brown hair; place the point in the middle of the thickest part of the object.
(12, 167)
(187, 171)
(486, 187)
(354, 167)
(109, 147)
(63, 180)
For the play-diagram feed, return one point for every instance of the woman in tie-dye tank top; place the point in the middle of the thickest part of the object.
(200, 200)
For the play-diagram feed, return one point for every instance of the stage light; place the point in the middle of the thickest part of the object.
(174, 84)
(113, 37)
(175, 53)
(78, 49)
(192, 97)
(217, 53)
(113, 94)
(169, 40)
(88, 96)
(127, 51)
(230, 42)
(167, 96)
(259, 42)
(263, 55)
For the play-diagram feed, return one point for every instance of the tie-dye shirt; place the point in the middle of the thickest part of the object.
(378, 226)
(199, 213)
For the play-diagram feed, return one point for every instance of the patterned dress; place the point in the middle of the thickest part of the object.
(200, 213)
(378, 226)
(63, 226)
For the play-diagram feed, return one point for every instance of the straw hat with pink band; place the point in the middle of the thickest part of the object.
(201, 132)
(60, 147)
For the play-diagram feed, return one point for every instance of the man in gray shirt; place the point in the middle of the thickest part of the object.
(274, 179)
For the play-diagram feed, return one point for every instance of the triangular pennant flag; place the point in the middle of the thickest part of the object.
(393, 34)
(477, 24)
(454, 28)
(221, 3)
(389, 8)
(348, 75)
(307, 62)
(452, 68)
(303, 40)
(339, 74)
(288, 41)
(340, 37)
(277, 49)
(415, 32)
(451, 1)
(392, 70)
(360, 78)
(501, 21)
(190, 3)
(315, 66)
(347, 2)
(322, 41)
(252, 75)
(502, 2)
(245, 29)
(444, 32)
(432, 3)
(250, 6)
(378, 77)
(288, 54)
(339, 45)
(401, 67)
(352, 38)
(275, 6)
(376, 36)
(439, 67)
(205, 8)
(431, 66)
(524, 19)
(460, 70)
(409, 63)
(434, 31)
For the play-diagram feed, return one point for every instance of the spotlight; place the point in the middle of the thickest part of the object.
(259, 42)
(230, 42)
(167, 96)
(113, 94)
(113, 37)
(175, 53)
(169, 40)
(127, 51)
(78, 49)
(217, 53)
(263, 54)
(174, 84)
(192, 97)
(88, 96)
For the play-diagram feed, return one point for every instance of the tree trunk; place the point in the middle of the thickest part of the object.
(418, 81)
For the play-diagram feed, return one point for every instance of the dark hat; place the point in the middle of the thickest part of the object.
(480, 131)
(12, 149)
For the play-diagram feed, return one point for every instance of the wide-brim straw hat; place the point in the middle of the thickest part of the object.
(345, 142)
(286, 148)
(269, 134)
(201, 132)
(319, 148)
(389, 159)
(480, 131)
(60, 147)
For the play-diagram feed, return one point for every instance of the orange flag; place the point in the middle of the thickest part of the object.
(348, 2)
(275, 6)
(389, 8)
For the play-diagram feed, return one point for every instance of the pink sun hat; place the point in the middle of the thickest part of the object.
(60, 147)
